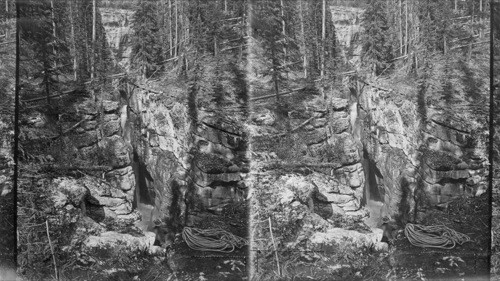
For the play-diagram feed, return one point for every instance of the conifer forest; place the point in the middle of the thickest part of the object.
(250, 140)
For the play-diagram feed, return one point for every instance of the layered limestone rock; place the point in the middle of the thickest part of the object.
(118, 27)
(347, 22)
(420, 163)
(219, 161)
(310, 213)
(99, 136)
(96, 199)
(161, 143)
(310, 182)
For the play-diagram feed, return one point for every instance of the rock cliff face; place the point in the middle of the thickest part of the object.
(360, 154)
(421, 163)
(347, 22)
(415, 155)
(182, 166)
(118, 27)
(90, 140)
(220, 162)
(365, 152)
(159, 134)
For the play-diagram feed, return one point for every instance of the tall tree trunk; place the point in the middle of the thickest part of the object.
(176, 29)
(275, 72)
(54, 34)
(456, 5)
(181, 29)
(323, 38)
(416, 23)
(73, 40)
(283, 30)
(303, 39)
(225, 6)
(480, 18)
(92, 66)
(46, 74)
(406, 28)
(170, 28)
(162, 29)
(401, 50)
(6, 17)
(444, 44)
(215, 45)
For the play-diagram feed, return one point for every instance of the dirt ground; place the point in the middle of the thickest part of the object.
(7, 231)
(404, 261)
(183, 263)
(464, 262)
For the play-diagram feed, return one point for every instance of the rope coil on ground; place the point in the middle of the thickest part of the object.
(438, 236)
(216, 240)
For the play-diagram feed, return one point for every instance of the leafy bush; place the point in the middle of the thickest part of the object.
(290, 148)
(34, 209)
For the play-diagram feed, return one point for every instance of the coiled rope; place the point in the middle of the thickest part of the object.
(216, 240)
(438, 236)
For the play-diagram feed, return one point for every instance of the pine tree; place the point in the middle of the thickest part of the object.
(146, 43)
(376, 39)
(38, 42)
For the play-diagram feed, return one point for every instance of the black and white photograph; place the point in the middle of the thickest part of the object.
(199, 140)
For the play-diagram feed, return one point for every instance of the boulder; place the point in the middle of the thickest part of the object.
(264, 117)
(122, 178)
(344, 149)
(87, 107)
(113, 244)
(342, 237)
(319, 122)
(118, 150)
(85, 139)
(67, 190)
(104, 195)
(111, 125)
(315, 136)
(110, 106)
(339, 104)
(300, 186)
(88, 125)
(316, 104)
(339, 122)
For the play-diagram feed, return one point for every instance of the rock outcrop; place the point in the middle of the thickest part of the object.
(161, 142)
(421, 163)
(347, 22)
(118, 27)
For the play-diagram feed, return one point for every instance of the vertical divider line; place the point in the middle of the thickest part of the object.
(491, 130)
(16, 129)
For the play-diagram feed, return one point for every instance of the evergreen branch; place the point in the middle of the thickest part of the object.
(5, 43)
(83, 168)
(274, 95)
(296, 128)
(70, 129)
(48, 97)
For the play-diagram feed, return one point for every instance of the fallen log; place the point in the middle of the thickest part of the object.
(297, 128)
(72, 168)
